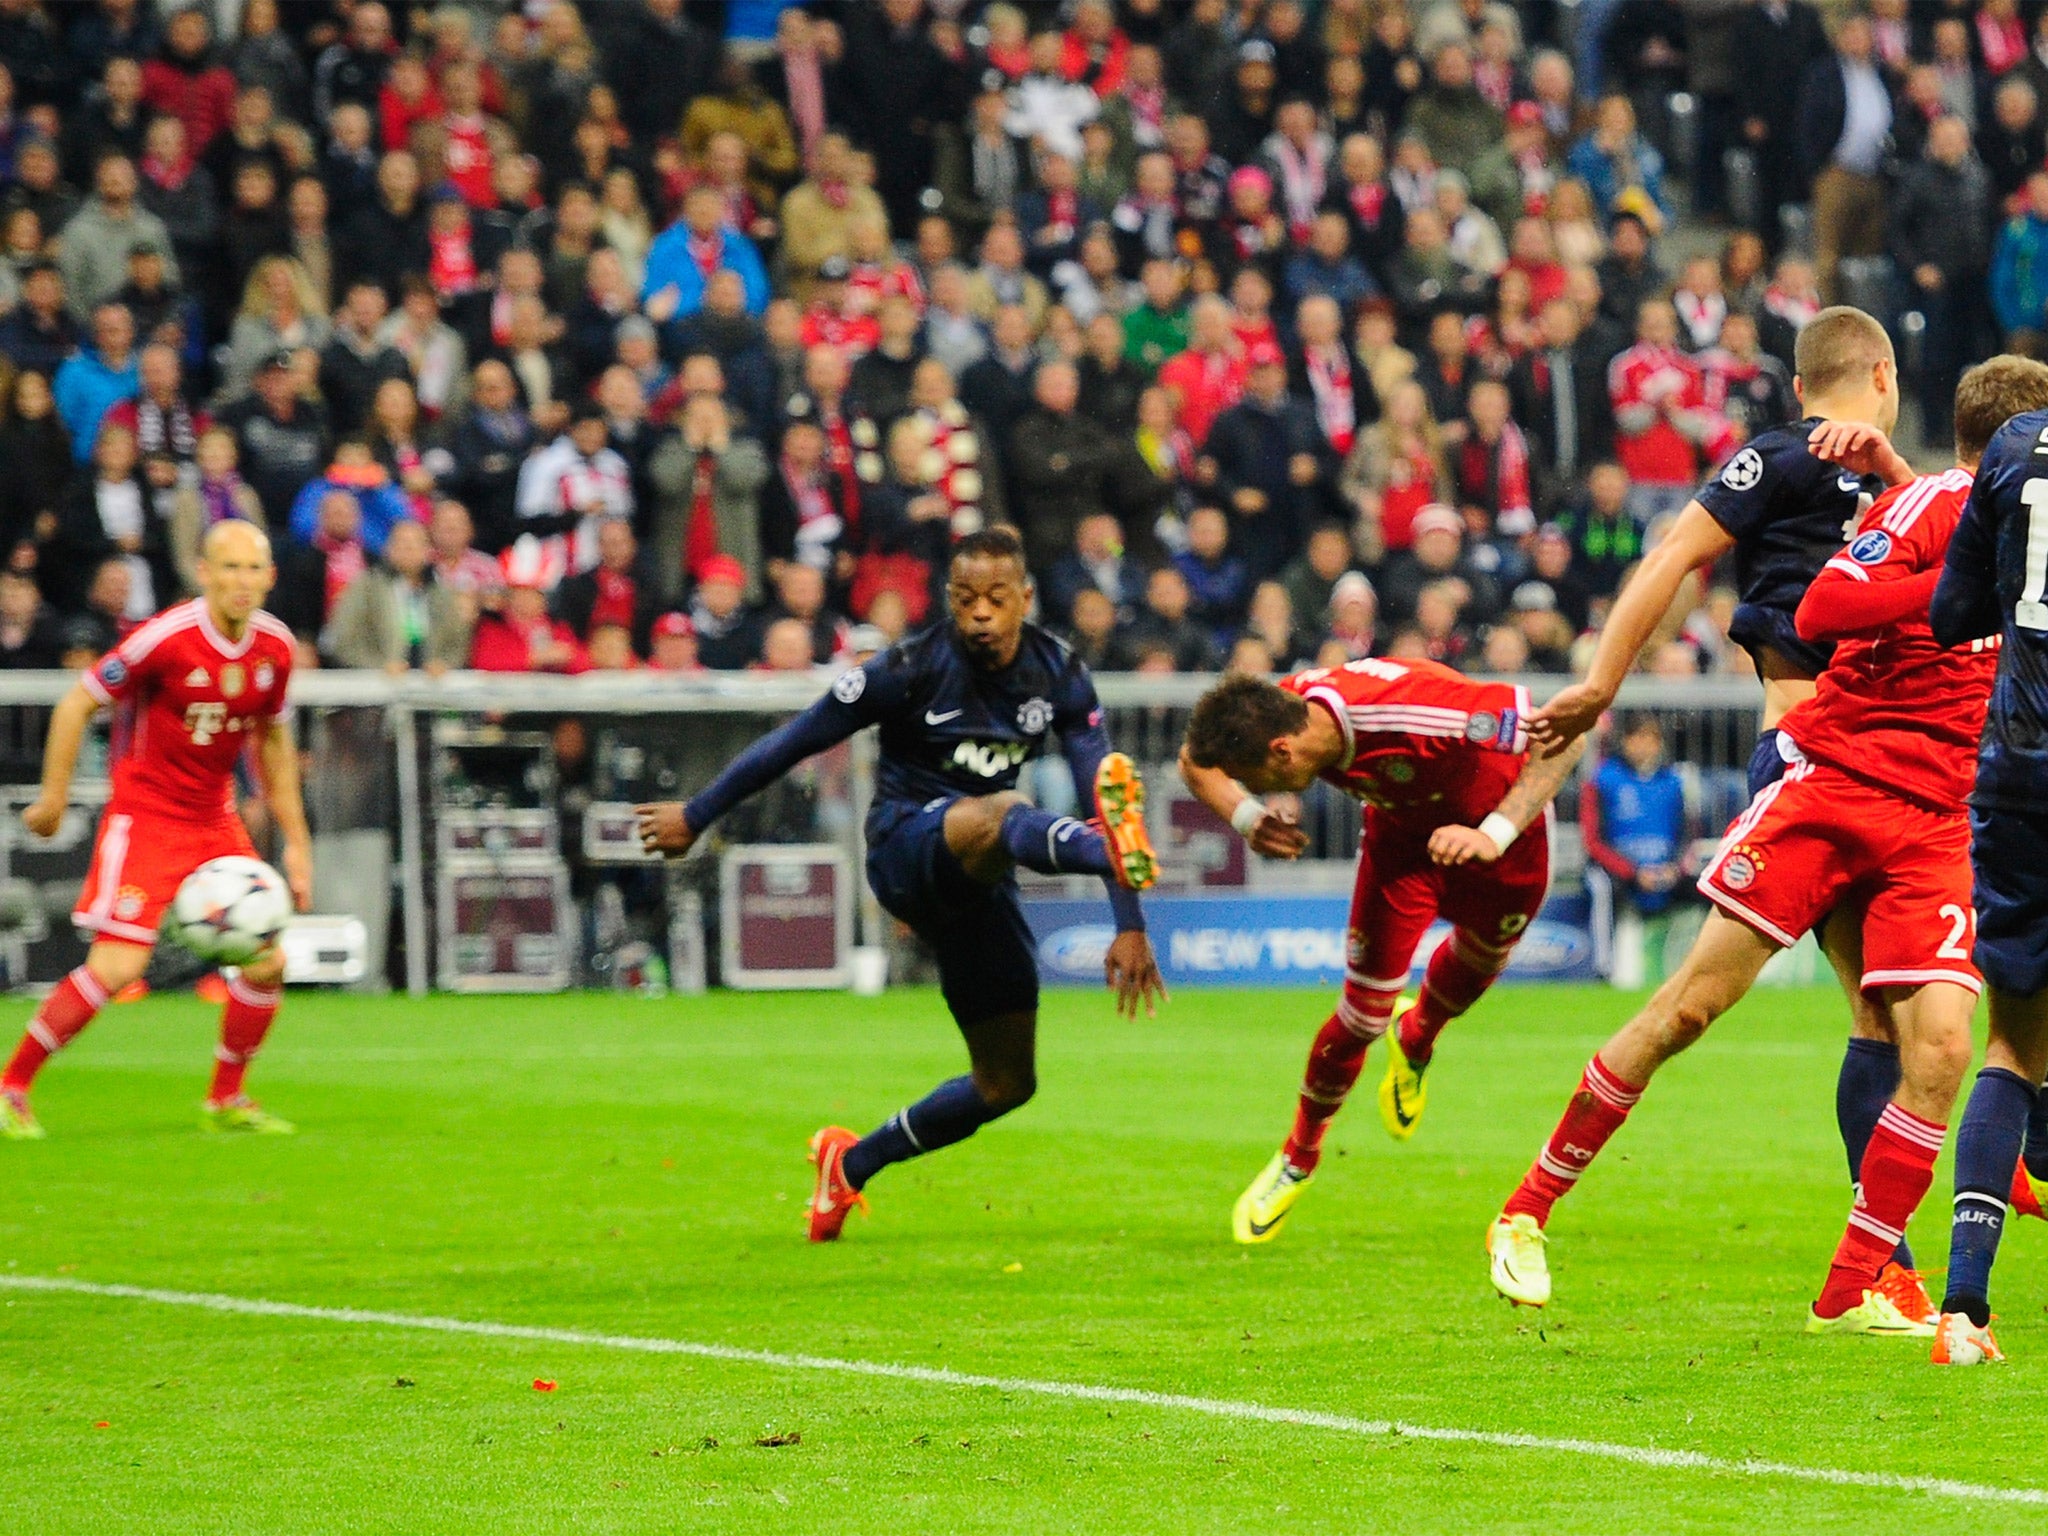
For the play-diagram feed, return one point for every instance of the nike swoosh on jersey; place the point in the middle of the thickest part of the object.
(1847, 482)
(931, 718)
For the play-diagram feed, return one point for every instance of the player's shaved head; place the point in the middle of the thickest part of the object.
(1990, 395)
(232, 538)
(1839, 348)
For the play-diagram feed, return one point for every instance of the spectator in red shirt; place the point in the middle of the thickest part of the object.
(520, 637)
(1209, 376)
(186, 83)
(1664, 433)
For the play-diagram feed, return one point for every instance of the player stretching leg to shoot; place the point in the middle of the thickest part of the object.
(1994, 580)
(1871, 806)
(1782, 512)
(204, 681)
(1454, 825)
(962, 707)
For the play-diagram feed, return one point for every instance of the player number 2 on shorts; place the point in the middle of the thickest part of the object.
(1958, 919)
(2030, 612)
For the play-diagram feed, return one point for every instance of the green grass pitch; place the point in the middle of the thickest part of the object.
(634, 1166)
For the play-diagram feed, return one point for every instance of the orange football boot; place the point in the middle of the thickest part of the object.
(2025, 1198)
(1120, 812)
(833, 1197)
(1906, 1289)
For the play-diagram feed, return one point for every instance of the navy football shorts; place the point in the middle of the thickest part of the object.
(2011, 897)
(1766, 763)
(985, 951)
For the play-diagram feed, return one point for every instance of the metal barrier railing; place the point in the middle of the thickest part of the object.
(383, 753)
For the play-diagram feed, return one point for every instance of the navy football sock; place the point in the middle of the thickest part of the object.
(951, 1112)
(1054, 845)
(1987, 1149)
(1869, 1078)
(2036, 1154)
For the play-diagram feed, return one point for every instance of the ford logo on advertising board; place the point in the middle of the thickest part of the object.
(1552, 949)
(1076, 951)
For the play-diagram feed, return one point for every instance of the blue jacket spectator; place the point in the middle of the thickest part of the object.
(1219, 584)
(355, 473)
(1634, 816)
(684, 256)
(94, 380)
(1620, 167)
(2019, 264)
(1328, 268)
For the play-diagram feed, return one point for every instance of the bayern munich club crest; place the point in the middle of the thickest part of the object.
(1744, 470)
(1740, 869)
(1033, 716)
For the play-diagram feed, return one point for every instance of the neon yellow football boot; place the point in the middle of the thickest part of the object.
(1267, 1200)
(243, 1114)
(1403, 1092)
(1876, 1316)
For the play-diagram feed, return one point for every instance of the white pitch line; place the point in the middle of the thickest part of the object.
(1072, 1391)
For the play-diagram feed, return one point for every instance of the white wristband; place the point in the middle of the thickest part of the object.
(1500, 829)
(1251, 810)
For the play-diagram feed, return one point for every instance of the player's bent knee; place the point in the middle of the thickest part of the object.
(1005, 1091)
(265, 972)
(115, 964)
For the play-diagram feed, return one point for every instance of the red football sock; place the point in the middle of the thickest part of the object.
(243, 1024)
(1594, 1114)
(1459, 973)
(1334, 1063)
(1898, 1165)
(68, 1009)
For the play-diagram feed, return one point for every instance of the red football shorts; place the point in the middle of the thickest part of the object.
(1400, 892)
(139, 862)
(1819, 839)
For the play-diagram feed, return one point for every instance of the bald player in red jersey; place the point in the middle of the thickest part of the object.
(1454, 827)
(1871, 813)
(204, 683)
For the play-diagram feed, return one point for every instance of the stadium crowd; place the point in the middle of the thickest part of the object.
(547, 336)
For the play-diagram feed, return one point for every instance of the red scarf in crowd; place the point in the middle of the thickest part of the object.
(700, 543)
(344, 564)
(1329, 380)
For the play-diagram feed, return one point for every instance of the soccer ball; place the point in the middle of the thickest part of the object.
(229, 910)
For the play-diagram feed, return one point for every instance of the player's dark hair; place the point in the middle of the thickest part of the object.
(1839, 345)
(1990, 395)
(990, 544)
(1234, 722)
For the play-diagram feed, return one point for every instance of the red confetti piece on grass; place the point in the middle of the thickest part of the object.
(542, 1384)
(101, 1424)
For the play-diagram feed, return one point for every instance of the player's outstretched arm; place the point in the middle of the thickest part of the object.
(1693, 541)
(277, 764)
(68, 721)
(671, 828)
(1272, 833)
(1541, 778)
(1132, 971)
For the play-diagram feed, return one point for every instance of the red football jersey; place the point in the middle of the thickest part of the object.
(1893, 708)
(1428, 745)
(194, 695)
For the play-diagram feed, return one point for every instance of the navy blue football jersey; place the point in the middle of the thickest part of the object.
(1995, 581)
(947, 727)
(1789, 514)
